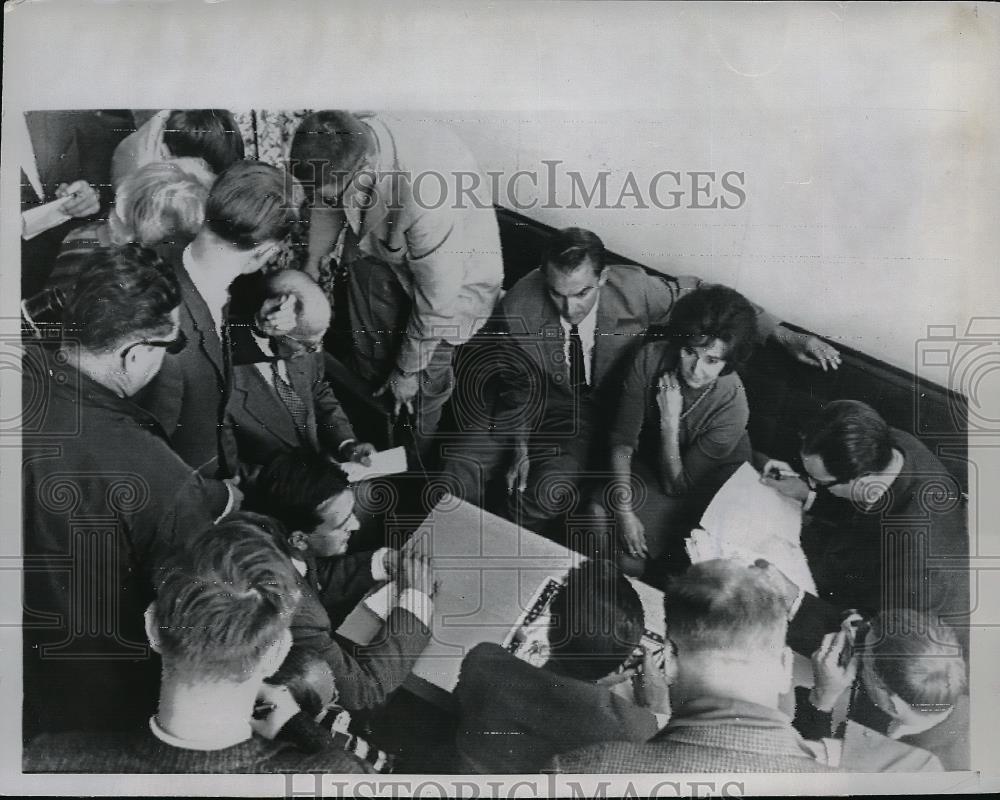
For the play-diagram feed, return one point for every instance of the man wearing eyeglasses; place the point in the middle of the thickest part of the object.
(105, 496)
(419, 258)
(281, 398)
(885, 528)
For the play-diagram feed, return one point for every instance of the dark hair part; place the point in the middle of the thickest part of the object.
(332, 141)
(713, 311)
(208, 133)
(918, 660)
(120, 293)
(850, 437)
(223, 599)
(724, 605)
(570, 247)
(597, 622)
(293, 485)
(251, 203)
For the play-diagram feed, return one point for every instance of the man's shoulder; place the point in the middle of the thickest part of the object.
(78, 751)
(663, 754)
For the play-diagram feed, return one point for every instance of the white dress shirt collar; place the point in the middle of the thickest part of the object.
(587, 328)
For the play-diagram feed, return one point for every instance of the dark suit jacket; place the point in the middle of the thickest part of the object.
(104, 499)
(513, 717)
(365, 676)
(190, 394)
(708, 735)
(911, 553)
(261, 424)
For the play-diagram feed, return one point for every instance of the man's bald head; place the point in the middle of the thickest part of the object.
(312, 309)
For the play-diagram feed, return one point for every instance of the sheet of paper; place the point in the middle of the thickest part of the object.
(385, 462)
(42, 218)
(747, 520)
(749, 512)
(381, 600)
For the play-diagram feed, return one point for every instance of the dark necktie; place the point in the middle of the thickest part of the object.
(290, 398)
(577, 370)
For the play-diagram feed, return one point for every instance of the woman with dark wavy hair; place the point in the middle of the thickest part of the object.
(684, 414)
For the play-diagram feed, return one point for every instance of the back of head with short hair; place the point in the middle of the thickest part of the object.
(120, 293)
(208, 133)
(163, 201)
(597, 622)
(850, 437)
(918, 660)
(713, 311)
(252, 203)
(570, 247)
(327, 143)
(222, 600)
(723, 605)
(293, 485)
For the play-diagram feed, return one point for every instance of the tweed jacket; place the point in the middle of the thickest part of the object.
(705, 735)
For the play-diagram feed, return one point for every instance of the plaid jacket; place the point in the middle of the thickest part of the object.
(706, 735)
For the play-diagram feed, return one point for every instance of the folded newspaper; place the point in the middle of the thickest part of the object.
(747, 520)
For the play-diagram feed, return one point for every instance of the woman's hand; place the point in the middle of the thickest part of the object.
(669, 399)
(632, 534)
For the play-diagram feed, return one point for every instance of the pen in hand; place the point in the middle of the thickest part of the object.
(779, 474)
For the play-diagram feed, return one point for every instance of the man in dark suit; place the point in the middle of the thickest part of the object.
(727, 624)
(310, 498)
(104, 496)
(882, 509)
(250, 209)
(281, 398)
(572, 328)
(514, 716)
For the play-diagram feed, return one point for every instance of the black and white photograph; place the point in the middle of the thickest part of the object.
(500, 399)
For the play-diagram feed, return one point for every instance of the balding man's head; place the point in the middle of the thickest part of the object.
(312, 309)
(724, 605)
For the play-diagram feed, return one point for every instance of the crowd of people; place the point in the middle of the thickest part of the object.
(192, 541)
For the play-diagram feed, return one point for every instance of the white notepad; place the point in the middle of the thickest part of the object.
(747, 520)
(385, 462)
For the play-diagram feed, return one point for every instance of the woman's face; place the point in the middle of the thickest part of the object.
(702, 364)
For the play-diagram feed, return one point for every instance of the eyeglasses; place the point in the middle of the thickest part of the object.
(172, 346)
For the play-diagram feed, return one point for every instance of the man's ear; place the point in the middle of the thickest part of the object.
(275, 655)
(603, 277)
(152, 627)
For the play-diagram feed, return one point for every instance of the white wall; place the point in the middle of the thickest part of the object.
(868, 136)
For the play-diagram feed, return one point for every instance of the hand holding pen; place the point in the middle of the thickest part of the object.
(782, 478)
